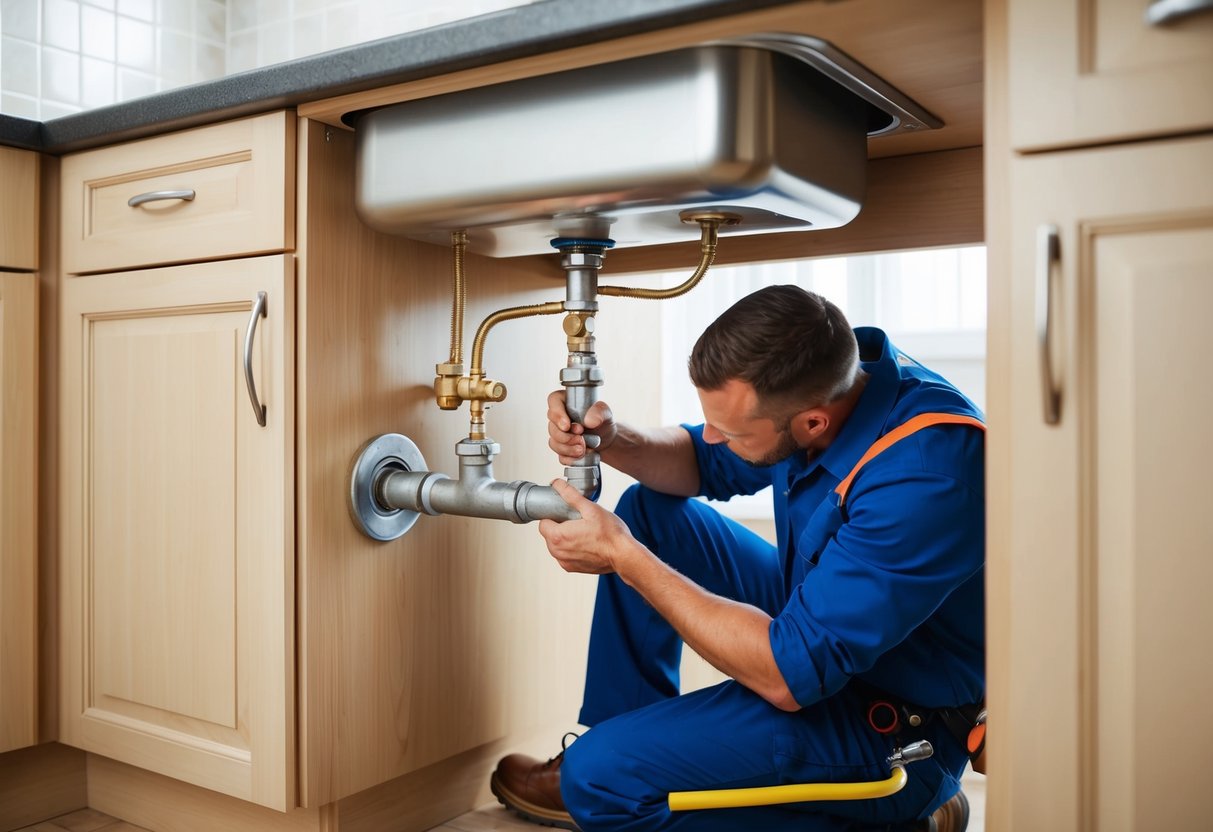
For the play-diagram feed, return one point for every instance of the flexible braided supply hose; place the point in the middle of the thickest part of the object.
(459, 241)
(707, 253)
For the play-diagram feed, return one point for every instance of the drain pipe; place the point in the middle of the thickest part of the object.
(475, 494)
(581, 260)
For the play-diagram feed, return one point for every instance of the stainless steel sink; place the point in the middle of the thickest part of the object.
(620, 150)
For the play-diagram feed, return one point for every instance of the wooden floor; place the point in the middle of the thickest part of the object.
(484, 819)
(85, 820)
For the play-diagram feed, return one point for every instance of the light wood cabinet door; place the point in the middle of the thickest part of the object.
(18, 510)
(177, 566)
(1093, 71)
(1110, 559)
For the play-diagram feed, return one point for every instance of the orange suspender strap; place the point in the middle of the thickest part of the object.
(922, 420)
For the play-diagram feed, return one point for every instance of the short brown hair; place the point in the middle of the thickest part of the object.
(794, 347)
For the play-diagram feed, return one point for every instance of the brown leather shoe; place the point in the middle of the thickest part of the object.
(952, 816)
(531, 788)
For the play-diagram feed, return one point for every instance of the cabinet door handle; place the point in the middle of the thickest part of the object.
(156, 196)
(1163, 12)
(1048, 251)
(258, 313)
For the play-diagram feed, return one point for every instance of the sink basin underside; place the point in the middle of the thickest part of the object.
(619, 151)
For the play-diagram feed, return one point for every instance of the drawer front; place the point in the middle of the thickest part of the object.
(212, 192)
(1096, 71)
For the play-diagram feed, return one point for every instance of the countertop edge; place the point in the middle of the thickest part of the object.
(519, 32)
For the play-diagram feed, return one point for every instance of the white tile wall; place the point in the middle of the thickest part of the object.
(62, 56)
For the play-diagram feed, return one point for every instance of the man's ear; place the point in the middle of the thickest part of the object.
(809, 425)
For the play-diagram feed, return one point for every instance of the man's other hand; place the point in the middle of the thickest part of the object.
(567, 438)
(591, 545)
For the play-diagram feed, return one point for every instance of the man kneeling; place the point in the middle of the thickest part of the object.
(870, 607)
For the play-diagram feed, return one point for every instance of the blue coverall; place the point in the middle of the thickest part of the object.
(888, 590)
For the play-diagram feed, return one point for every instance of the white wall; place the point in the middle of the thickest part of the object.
(62, 56)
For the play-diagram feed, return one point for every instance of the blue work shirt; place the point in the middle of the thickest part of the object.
(889, 589)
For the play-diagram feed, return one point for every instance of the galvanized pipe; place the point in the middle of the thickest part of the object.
(474, 494)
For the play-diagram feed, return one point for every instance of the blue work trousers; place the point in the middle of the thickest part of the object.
(646, 740)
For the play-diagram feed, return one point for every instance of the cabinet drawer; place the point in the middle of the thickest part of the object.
(207, 193)
(1098, 71)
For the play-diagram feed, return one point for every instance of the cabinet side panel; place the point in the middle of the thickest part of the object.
(18, 510)
(999, 415)
(18, 209)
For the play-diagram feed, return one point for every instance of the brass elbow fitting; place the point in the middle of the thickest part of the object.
(481, 389)
(579, 329)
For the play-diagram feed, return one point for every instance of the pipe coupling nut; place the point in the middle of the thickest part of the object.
(477, 447)
(581, 259)
(581, 376)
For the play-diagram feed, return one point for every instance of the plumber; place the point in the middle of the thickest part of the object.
(861, 630)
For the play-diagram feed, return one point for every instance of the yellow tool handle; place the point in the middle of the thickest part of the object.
(792, 793)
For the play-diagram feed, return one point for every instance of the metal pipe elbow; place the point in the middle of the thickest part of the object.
(541, 502)
(433, 493)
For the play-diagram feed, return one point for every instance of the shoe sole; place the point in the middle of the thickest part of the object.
(527, 810)
(957, 820)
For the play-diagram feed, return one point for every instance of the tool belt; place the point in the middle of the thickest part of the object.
(892, 715)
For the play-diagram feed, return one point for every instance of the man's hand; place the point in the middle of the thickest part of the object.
(567, 439)
(733, 636)
(592, 545)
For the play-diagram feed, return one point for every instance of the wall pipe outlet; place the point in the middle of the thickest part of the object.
(390, 488)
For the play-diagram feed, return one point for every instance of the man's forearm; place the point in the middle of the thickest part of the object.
(661, 458)
(731, 636)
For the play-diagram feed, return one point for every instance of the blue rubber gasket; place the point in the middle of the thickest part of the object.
(572, 242)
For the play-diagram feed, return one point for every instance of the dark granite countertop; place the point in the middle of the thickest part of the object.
(513, 33)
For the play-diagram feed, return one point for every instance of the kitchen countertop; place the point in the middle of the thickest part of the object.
(513, 33)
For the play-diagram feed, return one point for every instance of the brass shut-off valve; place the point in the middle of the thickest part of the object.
(452, 388)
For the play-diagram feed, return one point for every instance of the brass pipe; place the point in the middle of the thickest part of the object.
(476, 374)
(550, 308)
(459, 242)
(707, 253)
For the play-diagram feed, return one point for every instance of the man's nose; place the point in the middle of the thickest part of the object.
(713, 436)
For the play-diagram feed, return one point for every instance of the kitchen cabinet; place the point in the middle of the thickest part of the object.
(1101, 272)
(1092, 71)
(18, 510)
(177, 571)
(176, 493)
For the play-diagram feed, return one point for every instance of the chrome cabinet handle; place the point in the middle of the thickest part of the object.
(1048, 251)
(258, 313)
(156, 196)
(1163, 12)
